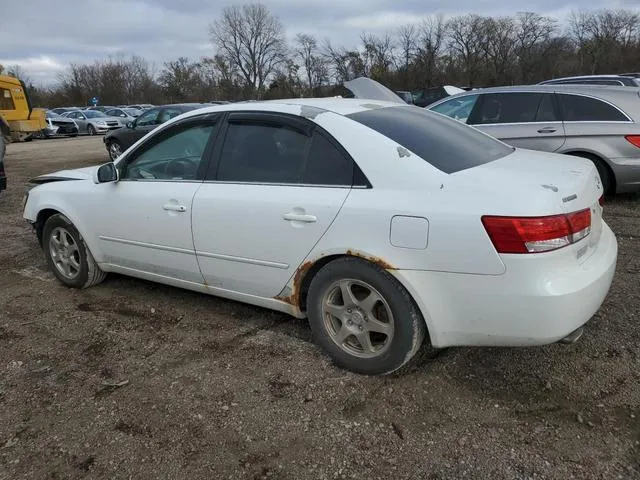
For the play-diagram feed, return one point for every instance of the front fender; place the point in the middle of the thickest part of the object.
(35, 205)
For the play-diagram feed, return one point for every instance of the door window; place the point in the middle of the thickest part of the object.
(259, 153)
(511, 108)
(176, 156)
(577, 108)
(280, 154)
(458, 108)
(149, 117)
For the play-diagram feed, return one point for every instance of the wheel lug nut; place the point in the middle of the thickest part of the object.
(349, 322)
(359, 327)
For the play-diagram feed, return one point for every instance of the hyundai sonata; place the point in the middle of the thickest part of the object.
(382, 223)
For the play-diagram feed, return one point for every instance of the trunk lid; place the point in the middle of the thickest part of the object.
(532, 183)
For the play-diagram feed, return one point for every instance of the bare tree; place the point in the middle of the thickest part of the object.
(408, 46)
(466, 41)
(251, 39)
(533, 35)
(315, 65)
(432, 35)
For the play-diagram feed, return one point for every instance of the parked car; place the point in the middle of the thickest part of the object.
(93, 122)
(127, 114)
(61, 110)
(100, 108)
(141, 106)
(427, 96)
(405, 95)
(119, 140)
(59, 125)
(594, 122)
(382, 223)
(614, 80)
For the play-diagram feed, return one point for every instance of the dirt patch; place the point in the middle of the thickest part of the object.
(136, 380)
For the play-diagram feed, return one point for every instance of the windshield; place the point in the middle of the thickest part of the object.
(132, 112)
(94, 114)
(447, 144)
(51, 114)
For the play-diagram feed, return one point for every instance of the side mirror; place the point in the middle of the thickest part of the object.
(106, 173)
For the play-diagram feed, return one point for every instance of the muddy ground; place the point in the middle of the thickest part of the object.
(136, 380)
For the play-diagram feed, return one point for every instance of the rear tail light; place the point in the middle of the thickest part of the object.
(537, 234)
(601, 200)
(633, 139)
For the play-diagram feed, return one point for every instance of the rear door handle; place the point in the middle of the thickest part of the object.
(547, 130)
(299, 217)
(172, 207)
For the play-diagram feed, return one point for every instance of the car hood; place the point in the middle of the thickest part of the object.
(366, 88)
(85, 173)
(105, 119)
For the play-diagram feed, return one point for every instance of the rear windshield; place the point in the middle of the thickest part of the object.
(445, 143)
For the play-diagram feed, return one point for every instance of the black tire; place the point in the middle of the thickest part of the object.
(89, 274)
(603, 169)
(91, 130)
(110, 148)
(408, 326)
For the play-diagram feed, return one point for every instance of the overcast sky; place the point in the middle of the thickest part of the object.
(44, 36)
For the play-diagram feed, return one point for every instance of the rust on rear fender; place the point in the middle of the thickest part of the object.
(293, 297)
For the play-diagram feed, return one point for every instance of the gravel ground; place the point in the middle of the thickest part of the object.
(136, 380)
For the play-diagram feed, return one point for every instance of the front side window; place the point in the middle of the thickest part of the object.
(174, 157)
(577, 108)
(511, 108)
(149, 117)
(445, 143)
(458, 108)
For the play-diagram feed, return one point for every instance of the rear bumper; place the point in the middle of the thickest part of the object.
(627, 173)
(533, 303)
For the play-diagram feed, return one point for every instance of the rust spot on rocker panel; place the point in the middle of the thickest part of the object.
(294, 297)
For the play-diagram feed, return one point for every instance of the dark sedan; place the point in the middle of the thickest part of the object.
(117, 141)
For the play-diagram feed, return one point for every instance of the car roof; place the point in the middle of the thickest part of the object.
(338, 105)
(580, 77)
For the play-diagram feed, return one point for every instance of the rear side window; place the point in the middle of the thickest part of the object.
(326, 165)
(576, 108)
(447, 144)
(513, 108)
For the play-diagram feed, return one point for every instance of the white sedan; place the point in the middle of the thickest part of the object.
(382, 223)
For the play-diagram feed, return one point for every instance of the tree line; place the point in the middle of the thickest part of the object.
(252, 58)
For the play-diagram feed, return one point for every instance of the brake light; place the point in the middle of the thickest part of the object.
(633, 139)
(537, 234)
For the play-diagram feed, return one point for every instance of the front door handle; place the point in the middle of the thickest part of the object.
(174, 207)
(299, 217)
(547, 130)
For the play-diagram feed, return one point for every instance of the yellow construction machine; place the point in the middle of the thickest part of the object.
(18, 120)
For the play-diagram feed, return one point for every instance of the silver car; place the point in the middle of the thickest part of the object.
(93, 122)
(601, 123)
(126, 114)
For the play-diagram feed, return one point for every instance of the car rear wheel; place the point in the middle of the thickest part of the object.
(115, 149)
(67, 255)
(363, 317)
(91, 130)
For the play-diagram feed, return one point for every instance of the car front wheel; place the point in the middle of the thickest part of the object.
(115, 149)
(67, 255)
(363, 317)
(91, 130)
